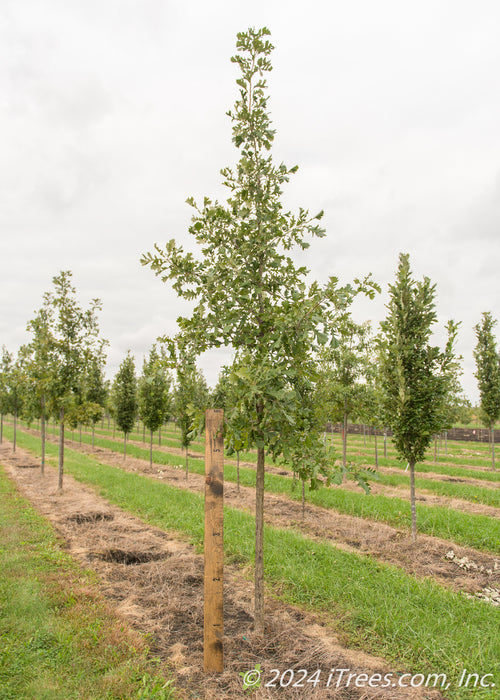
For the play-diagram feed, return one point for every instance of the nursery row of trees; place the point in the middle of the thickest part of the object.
(300, 359)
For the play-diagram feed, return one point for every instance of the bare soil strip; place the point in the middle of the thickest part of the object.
(155, 581)
(426, 558)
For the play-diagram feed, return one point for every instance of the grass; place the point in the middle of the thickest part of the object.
(473, 530)
(417, 624)
(58, 640)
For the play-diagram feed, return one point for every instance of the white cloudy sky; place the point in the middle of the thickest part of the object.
(112, 112)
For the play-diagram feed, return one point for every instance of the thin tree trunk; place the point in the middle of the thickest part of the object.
(376, 450)
(238, 471)
(187, 466)
(108, 420)
(493, 449)
(385, 444)
(435, 450)
(93, 431)
(1, 427)
(42, 429)
(446, 442)
(364, 435)
(159, 436)
(143, 433)
(303, 499)
(114, 428)
(412, 503)
(61, 450)
(259, 542)
(15, 430)
(344, 443)
(151, 449)
(124, 445)
(80, 434)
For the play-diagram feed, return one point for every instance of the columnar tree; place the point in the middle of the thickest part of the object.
(488, 375)
(95, 392)
(416, 377)
(250, 293)
(190, 396)
(153, 394)
(124, 396)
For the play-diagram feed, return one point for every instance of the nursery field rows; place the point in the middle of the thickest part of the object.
(314, 574)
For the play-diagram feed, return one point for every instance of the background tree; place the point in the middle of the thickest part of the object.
(153, 394)
(250, 294)
(416, 377)
(13, 378)
(345, 366)
(95, 392)
(39, 365)
(190, 397)
(124, 396)
(488, 375)
(6, 364)
(74, 340)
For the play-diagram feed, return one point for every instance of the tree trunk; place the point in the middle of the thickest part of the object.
(259, 542)
(93, 431)
(364, 435)
(159, 436)
(114, 427)
(108, 420)
(80, 434)
(151, 449)
(344, 444)
(435, 450)
(493, 449)
(42, 429)
(1, 427)
(124, 445)
(303, 499)
(61, 450)
(143, 433)
(15, 431)
(412, 503)
(187, 466)
(238, 471)
(376, 451)
(446, 442)
(385, 444)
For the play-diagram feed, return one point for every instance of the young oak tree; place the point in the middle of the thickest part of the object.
(153, 394)
(488, 375)
(124, 397)
(250, 293)
(415, 377)
(75, 341)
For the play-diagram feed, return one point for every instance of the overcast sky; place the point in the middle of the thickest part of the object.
(113, 112)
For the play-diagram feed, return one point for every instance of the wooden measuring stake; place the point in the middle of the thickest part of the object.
(214, 548)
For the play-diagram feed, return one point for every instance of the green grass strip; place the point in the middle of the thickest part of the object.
(473, 530)
(57, 641)
(415, 623)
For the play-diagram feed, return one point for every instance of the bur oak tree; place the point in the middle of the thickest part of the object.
(249, 293)
(415, 376)
(488, 375)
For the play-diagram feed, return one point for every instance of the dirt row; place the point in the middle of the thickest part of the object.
(426, 558)
(154, 581)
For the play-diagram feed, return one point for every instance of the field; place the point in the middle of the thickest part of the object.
(346, 589)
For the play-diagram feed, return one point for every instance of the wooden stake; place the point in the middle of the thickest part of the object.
(214, 548)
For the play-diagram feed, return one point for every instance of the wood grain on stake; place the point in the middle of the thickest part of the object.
(214, 548)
